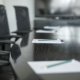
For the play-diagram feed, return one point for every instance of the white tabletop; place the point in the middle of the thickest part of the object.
(45, 31)
(46, 41)
(41, 67)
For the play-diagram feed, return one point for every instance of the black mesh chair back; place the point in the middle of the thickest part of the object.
(4, 28)
(23, 23)
(15, 52)
(22, 17)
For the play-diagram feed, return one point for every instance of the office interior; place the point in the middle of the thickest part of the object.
(39, 39)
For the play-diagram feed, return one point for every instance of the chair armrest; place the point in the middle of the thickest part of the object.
(4, 52)
(10, 36)
(3, 62)
(6, 42)
(15, 36)
(22, 32)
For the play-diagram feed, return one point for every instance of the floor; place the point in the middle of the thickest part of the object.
(6, 73)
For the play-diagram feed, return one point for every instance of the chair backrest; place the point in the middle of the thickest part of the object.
(23, 22)
(22, 17)
(15, 52)
(4, 28)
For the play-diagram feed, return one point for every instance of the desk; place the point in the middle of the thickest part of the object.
(61, 70)
(68, 50)
(43, 52)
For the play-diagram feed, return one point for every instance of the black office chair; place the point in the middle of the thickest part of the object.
(23, 23)
(4, 29)
(5, 36)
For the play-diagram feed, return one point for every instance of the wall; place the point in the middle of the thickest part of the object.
(1, 2)
(11, 12)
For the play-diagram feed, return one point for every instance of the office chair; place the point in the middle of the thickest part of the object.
(5, 37)
(23, 23)
(4, 28)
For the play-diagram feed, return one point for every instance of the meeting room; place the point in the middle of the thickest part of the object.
(39, 39)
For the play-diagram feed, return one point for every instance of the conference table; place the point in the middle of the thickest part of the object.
(68, 49)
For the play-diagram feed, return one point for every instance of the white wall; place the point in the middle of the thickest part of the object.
(11, 12)
(1, 2)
